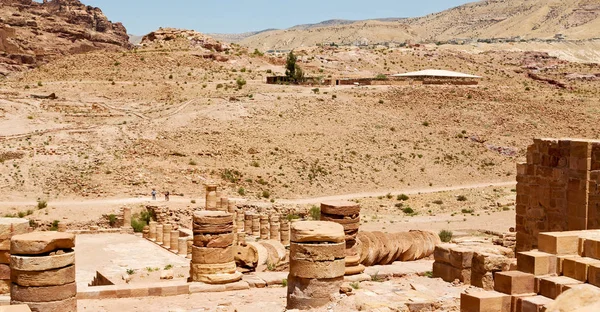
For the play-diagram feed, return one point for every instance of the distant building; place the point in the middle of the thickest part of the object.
(436, 76)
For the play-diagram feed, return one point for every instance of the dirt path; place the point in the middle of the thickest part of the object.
(301, 201)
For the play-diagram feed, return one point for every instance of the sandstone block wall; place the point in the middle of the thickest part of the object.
(557, 189)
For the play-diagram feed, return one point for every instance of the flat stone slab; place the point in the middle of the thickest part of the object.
(400, 269)
(15, 308)
(357, 278)
(272, 278)
(41, 242)
(317, 232)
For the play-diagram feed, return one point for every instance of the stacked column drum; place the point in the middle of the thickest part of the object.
(43, 271)
(212, 252)
(8, 228)
(317, 266)
(346, 214)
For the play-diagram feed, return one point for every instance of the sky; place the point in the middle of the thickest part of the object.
(237, 16)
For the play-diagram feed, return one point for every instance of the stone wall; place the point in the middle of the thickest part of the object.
(557, 189)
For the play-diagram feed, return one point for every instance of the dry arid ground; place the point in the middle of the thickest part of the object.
(170, 117)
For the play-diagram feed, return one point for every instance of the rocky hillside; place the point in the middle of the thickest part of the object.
(32, 33)
(488, 19)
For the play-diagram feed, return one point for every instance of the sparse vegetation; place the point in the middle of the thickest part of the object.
(315, 213)
(445, 236)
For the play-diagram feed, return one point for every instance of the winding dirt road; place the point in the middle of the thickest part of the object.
(299, 201)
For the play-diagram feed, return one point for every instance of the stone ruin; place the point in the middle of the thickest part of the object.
(557, 241)
(212, 252)
(317, 264)
(43, 271)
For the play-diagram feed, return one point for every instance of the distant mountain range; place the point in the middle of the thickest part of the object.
(482, 20)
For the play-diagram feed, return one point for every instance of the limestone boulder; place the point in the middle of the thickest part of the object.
(40, 243)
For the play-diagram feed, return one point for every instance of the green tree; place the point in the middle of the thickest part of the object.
(292, 70)
(290, 65)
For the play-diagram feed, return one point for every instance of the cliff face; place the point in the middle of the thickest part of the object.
(32, 33)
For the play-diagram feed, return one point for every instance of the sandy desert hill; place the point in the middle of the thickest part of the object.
(171, 115)
(574, 19)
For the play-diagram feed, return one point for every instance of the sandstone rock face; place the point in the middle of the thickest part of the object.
(32, 33)
(166, 36)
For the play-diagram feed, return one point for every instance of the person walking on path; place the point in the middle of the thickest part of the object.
(167, 196)
(153, 194)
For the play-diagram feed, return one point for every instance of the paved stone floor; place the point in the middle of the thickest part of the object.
(113, 254)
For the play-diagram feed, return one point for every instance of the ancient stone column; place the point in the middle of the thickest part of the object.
(174, 241)
(240, 221)
(212, 253)
(285, 232)
(317, 252)
(232, 207)
(347, 214)
(126, 217)
(190, 243)
(211, 196)
(146, 232)
(275, 227)
(62, 227)
(43, 271)
(218, 194)
(152, 233)
(256, 225)
(182, 248)
(167, 228)
(241, 241)
(8, 228)
(264, 227)
(224, 204)
(248, 222)
(159, 234)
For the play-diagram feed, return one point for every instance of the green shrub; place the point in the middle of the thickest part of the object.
(315, 213)
(467, 211)
(41, 204)
(445, 236)
(355, 285)
(266, 194)
(54, 226)
(408, 211)
(402, 197)
(292, 216)
(461, 198)
(138, 225)
(241, 191)
(112, 219)
(284, 282)
(241, 82)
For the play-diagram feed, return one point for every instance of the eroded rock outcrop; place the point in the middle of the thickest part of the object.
(32, 33)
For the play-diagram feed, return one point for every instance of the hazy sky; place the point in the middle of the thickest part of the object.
(236, 16)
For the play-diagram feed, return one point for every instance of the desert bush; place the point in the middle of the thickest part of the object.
(266, 194)
(402, 197)
(408, 211)
(112, 219)
(241, 82)
(467, 211)
(241, 191)
(445, 236)
(41, 204)
(461, 198)
(438, 202)
(54, 226)
(315, 213)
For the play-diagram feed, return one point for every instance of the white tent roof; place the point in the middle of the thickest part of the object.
(436, 73)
